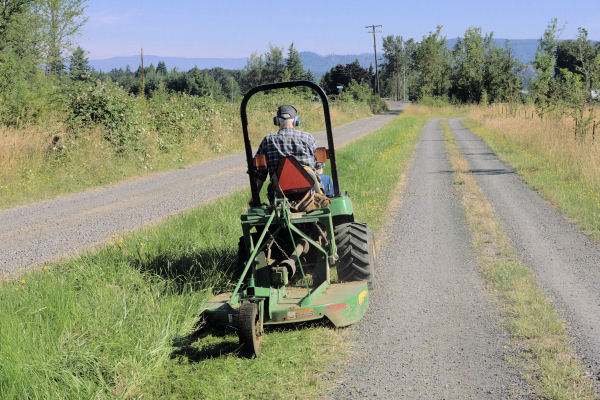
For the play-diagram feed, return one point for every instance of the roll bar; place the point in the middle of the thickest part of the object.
(282, 85)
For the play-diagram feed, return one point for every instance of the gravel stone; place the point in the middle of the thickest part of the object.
(431, 331)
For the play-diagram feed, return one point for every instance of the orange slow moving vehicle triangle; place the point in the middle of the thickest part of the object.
(292, 177)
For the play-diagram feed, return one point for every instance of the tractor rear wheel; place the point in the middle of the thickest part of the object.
(356, 250)
(250, 329)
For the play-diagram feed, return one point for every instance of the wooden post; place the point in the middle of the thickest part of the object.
(142, 90)
(374, 31)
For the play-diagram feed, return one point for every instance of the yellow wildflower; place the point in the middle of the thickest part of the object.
(23, 281)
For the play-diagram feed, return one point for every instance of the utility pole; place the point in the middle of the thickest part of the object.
(404, 82)
(373, 31)
(397, 80)
(142, 72)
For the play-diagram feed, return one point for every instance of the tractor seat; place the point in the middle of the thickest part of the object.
(295, 180)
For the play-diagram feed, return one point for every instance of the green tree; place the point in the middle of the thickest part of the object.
(61, 22)
(253, 72)
(398, 64)
(22, 89)
(274, 65)
(161, 69)
(543, 86)
(293, 64)
(576, 87)
(79, 67)
(468, 59)
(432, 61)
(501, 81)
(342, 75)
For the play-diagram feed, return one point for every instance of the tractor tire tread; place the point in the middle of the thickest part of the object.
(354, 242)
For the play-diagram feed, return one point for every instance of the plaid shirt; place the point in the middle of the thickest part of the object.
(287, 142)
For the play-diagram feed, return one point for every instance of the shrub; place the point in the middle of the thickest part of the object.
(434, 101)
(362, 93)
(105, 104)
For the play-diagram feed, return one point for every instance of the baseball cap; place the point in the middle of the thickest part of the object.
(287, 112)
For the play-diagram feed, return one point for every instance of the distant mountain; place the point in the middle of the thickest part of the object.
(181, 63)
(321, 64)
(316, 63)
(523, 49)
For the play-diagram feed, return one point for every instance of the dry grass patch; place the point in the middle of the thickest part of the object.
(546, 357)
(33, 167)
(544, 152)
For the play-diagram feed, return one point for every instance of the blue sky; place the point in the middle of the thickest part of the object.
(222, 28)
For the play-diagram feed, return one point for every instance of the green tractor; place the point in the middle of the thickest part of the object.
(287, 257)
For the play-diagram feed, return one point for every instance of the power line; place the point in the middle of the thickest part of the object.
(373, 31)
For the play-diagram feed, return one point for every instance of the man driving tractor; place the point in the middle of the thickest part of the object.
(288, 142)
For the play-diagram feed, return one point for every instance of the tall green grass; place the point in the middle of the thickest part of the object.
(119, 322)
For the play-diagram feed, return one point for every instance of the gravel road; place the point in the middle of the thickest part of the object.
(566, 262)
(39, 232)
(431, 331)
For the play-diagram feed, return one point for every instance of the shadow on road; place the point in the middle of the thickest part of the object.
(478, 172)
(492, 171)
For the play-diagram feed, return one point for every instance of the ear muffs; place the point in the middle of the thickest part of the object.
(296, 119)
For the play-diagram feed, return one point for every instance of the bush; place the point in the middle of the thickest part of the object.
(178, 119)
(362, 93)
(434, 101)
(107, 105)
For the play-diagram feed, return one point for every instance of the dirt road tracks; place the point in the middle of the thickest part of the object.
(566, 262)
(42, 231)
(431, 331)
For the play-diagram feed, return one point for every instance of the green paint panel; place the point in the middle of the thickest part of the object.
(341, 206)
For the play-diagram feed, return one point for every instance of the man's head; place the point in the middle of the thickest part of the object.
(287, 116)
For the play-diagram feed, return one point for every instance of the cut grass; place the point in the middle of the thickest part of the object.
(545, 355)
(118, 322)
(543, 153)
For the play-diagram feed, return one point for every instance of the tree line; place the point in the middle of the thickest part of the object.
(38, 70)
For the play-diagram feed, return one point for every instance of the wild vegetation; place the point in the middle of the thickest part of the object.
(65, 127)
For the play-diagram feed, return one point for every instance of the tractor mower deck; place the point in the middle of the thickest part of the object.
(341, 303)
